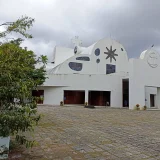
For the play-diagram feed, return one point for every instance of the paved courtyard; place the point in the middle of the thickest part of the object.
(77, 133)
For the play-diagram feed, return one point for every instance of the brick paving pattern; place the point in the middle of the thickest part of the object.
(77, 133)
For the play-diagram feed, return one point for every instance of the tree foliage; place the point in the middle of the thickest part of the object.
(19, 26)
(18, 77)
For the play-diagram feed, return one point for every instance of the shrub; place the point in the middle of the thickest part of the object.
(137, 107)
(144, 108)
(61, 103)
(17, 121)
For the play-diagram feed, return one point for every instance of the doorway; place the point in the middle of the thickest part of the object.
(125, 92)
(99, 98)
(74, 97)
(152, 100)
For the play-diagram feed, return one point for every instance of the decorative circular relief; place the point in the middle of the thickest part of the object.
(153, 59)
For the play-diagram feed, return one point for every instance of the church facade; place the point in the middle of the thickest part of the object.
(102, 75)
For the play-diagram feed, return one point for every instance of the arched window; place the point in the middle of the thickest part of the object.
(83, 58)
(75, 66)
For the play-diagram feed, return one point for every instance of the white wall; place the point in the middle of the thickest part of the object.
(93, 75)
(148, 91)
(61, 54)
(121, 60)
(141, 74)
(113, 83)
(92, 67)
(52, 95)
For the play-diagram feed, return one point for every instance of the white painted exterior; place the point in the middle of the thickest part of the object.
(144, 79)
(53, 95)
(142, 74)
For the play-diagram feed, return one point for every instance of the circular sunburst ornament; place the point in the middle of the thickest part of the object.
(153, 59)
(111, 53)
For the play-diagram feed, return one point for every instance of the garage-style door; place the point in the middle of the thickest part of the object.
(99, 98)
(74, 97)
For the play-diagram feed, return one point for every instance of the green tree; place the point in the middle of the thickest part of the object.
(18, 77)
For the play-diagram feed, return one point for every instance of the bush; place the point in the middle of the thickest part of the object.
(144, 108)
(137, 107)
(61, 103)
(17, 121)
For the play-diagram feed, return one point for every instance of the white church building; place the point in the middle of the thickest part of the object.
(102, 75)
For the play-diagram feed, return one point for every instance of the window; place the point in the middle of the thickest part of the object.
(110, 68)
(83, 58)
(75, 66)
(97, 52)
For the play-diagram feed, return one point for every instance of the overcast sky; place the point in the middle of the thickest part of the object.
(134, 23)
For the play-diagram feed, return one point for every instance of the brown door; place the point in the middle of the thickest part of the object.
(99, 98)
(74, 97)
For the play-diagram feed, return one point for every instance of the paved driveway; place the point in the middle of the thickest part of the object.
(77, 133)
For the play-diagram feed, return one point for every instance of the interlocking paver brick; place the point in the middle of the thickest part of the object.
(77, 133)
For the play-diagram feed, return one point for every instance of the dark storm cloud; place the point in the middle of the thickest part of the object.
(134, 23)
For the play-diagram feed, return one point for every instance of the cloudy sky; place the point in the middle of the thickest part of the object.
(134, 23)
